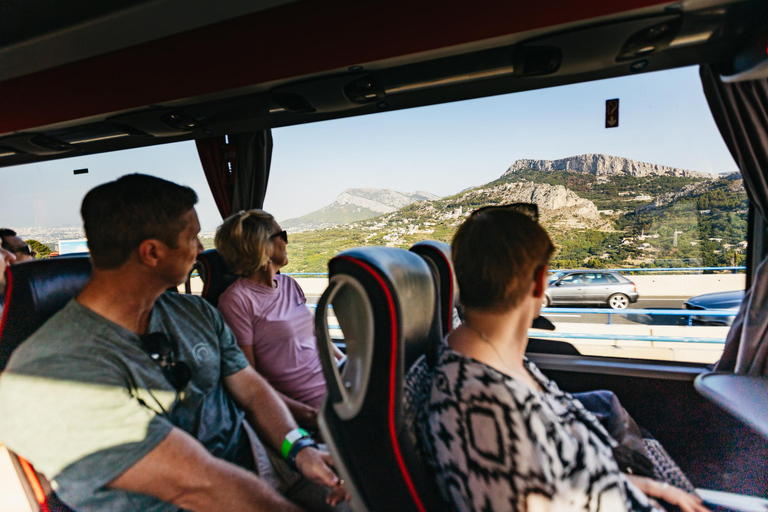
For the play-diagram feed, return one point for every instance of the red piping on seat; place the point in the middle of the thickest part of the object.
(450, 308)
(392, 374)
(207, 282)
(8, 288)
(37, 487)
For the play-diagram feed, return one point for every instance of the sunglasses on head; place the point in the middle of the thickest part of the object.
(160, 349)
(529, 209)
(282, 234)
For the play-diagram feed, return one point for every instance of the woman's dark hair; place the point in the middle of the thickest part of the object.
(496, 254)
(121, 214)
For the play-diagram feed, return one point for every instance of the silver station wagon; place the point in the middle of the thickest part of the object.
(590, 287)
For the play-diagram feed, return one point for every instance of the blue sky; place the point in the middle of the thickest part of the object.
(664, 119)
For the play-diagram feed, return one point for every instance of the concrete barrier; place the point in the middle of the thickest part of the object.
(686, 285)
(647, 285)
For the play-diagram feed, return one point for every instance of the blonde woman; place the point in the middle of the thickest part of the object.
(267, 312)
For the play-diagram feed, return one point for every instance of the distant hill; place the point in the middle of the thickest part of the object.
(356, 204)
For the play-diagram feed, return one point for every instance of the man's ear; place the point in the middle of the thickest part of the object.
(151, 251)
(540, 280)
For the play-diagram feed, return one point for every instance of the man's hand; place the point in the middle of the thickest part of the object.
(317, 467)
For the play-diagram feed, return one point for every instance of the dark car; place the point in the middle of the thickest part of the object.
(580, 287)
(718, 300)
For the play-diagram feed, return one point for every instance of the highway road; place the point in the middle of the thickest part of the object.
(647, 303)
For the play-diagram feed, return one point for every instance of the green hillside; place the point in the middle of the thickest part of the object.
(707, 221)
(339, 215)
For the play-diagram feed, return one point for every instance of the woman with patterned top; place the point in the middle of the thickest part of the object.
(267, 312)
(499, 434)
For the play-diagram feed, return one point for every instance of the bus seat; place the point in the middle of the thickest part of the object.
(37, 290)
(215, 275)
(384, 301)
(438, 257)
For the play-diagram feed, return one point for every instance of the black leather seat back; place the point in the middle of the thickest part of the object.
(37, 290)
(384, 301)
(215, 275)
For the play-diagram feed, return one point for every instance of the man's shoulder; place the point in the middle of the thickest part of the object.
(182, 303)
(69, 321)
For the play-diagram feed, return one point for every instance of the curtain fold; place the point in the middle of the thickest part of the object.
(237, 169)
(740, 111)
(252, 164)
(221, 179)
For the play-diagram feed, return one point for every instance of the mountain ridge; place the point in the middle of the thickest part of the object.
(603, 165)
(354, 204)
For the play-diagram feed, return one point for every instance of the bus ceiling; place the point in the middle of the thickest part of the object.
(101, 87)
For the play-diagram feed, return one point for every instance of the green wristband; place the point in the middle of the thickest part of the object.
(290, 439)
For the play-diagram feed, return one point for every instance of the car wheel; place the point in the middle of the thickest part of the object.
(618, 301)
(545, 302)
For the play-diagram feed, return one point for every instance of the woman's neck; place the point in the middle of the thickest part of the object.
(496, 339)
(264, 276)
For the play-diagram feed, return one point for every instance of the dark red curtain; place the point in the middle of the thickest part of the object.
(237, 169)
(217, 156)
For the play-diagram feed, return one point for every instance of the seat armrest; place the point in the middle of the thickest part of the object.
(743, 396)
(726, 501)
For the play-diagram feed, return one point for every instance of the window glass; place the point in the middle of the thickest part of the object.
(48, 214)
(657, 198)
(572, 279)
(597, 278)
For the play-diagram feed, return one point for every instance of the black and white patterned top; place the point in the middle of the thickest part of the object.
(498, 445)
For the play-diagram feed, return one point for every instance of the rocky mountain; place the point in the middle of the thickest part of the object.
(601, 212)
(355, 204)
(557, 205)
(559, 209)
(604, 165)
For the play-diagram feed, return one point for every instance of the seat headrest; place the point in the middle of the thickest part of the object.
(438, 256)
(409, 281)
(215, 275)
(384, 301)
(37, 290)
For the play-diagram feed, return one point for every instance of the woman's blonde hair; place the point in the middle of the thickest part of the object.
(243, 240)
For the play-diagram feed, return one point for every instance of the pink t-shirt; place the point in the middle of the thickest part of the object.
(276, 326)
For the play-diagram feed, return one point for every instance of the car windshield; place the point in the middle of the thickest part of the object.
(556, 276)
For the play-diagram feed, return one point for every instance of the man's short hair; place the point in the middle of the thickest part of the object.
(6, 233)
(119, 215)
(496, 254)
(243, 240)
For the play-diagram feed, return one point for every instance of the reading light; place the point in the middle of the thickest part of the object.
(99, 137)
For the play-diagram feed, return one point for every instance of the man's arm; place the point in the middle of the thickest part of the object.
(304, 414)
(181, 471)
(272, 420)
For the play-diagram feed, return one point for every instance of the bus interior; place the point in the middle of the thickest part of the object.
(119, 75)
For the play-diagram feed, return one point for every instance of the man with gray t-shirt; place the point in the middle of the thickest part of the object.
(134, 398)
